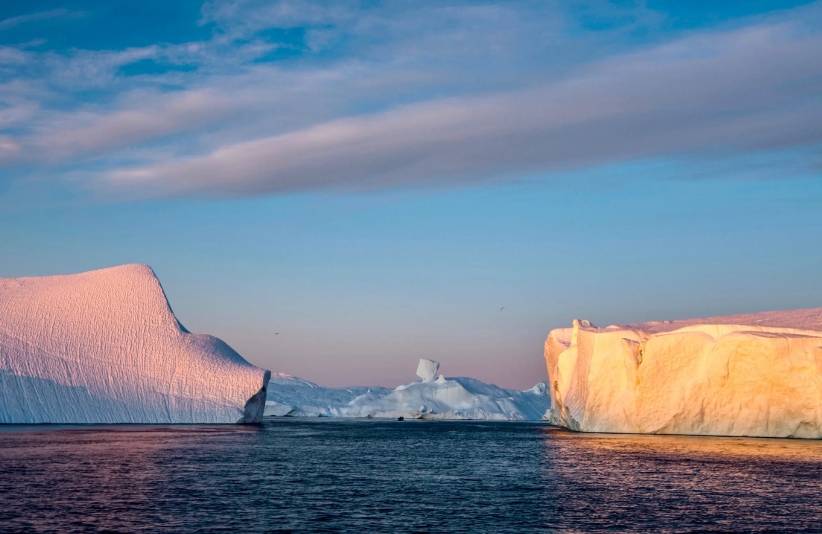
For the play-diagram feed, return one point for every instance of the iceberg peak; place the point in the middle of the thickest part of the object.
(427, 369)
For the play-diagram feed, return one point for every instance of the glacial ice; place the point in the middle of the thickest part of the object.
(427, 369)
(443, 398)
(105, 347)
(294, 396)
(743, 375)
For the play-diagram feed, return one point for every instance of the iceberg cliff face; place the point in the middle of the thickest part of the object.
(104, 347)
(745, 375)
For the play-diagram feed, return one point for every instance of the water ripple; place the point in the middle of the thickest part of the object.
(401, 476)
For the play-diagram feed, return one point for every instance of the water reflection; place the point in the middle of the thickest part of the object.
(693, 446)
(401, 476)
(683, 482)
(74, 477)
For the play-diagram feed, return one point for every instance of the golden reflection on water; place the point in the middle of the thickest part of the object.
(691, 446)
(652, 482)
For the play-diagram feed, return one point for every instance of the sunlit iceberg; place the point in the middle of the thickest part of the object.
(743, 375)
(104, 347)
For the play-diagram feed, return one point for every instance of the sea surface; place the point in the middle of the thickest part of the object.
(392, 476)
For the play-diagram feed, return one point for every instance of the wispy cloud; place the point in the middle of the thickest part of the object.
(9, 148)
(263, 97)
(79, 134)
(38, 16)
(708, 94)
(11, 56)
(400, 96)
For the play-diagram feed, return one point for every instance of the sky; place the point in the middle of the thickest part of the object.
(337, 189)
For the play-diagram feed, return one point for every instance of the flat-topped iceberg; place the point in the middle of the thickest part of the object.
(104, 347)
(430, 398)
(743, 375)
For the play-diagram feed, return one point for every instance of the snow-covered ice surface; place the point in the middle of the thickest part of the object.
(755, 374)
(105, 347)
(290, 395)
(802, 319)
(440, 398)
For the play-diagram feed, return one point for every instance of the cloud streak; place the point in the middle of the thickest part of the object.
(715, 94)
(402, 95)
(13, 22)
(81, 133)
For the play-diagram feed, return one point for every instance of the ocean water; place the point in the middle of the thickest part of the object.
(391, 476)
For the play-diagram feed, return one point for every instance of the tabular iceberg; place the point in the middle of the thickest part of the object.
(431, 398)
(744, 375)
(105, 347)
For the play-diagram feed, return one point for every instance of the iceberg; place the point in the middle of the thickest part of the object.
(294, 396)
(743, 375)
(105, 347)
(427, 369)
(429, 398)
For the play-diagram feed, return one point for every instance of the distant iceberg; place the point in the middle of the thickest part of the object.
(429, 398)
(290, 395)
(104, 347)
(742, 375)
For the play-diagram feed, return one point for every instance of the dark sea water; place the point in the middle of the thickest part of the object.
(386, 476)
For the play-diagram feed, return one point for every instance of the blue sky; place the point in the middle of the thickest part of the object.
(374, 180)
